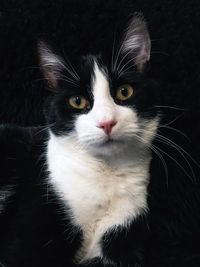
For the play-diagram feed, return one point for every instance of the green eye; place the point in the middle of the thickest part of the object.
(124, 92)
(78, 102)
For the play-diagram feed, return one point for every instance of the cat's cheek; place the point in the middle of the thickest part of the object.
(86, 129)
(149, 129)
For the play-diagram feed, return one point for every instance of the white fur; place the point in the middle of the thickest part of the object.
(104, 184)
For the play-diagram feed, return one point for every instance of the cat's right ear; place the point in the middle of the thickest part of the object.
(51, 65)
(136, 42)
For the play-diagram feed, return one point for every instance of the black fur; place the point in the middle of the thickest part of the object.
(33, 226)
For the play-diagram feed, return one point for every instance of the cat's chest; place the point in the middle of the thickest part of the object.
(104, 199)
(100, 196)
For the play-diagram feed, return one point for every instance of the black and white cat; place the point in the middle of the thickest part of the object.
(77, 195)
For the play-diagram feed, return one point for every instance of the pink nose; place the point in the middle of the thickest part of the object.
(107, 126)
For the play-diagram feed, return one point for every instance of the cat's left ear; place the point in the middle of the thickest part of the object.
(51, 64)
(136, 42)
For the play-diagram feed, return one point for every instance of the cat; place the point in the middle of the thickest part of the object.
(75, 194)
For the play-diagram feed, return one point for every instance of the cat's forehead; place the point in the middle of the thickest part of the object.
(100, 82)
(94, 73)
(89, 63)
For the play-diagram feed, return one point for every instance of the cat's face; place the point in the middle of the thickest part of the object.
(104, 104)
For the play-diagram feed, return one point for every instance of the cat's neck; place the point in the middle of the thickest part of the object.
(71, 167)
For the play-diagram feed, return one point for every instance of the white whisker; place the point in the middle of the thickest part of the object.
(45, 128)
(182, 152)
(71, 72)
(154, 149)
(175, 162)
(123, 69)
(121, 61)
(68, 81)
(180, 148)
(117, 56)
(172, 121)
(170, 107)
(113, 52)
(176, 130)
(170, 144)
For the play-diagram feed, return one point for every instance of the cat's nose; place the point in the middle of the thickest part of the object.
(107, 126)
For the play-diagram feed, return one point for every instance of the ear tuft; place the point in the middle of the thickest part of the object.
(51, 64)
(137, 41)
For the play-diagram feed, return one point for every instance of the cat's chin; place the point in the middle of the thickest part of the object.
(108, 147)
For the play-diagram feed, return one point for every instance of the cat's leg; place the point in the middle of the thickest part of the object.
(123, 247)
(126, 246)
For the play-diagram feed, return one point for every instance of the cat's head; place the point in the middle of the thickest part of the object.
(105, 103)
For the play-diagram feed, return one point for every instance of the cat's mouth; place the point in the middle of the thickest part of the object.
(110, 141)
(107, 146)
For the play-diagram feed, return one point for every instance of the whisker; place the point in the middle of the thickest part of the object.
(123, 69)
(175, 162)
(62, 79)
(163, 162)
(68, 78)
(176, 130)
(121, 61)
(172, 121)
(168, 143)
(184, 151)
(72, 72)
(113, 51)
(75, 73)
(69, 81)
(170, 107)
(117, 56)
(154, 149)
(44, 128)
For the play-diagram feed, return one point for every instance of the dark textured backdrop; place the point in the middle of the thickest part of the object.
(76, 27)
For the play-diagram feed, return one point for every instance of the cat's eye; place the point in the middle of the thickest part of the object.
(124, 92)
(78, 102)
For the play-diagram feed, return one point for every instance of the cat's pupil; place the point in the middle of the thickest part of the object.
(124, 92)
(78, 101)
